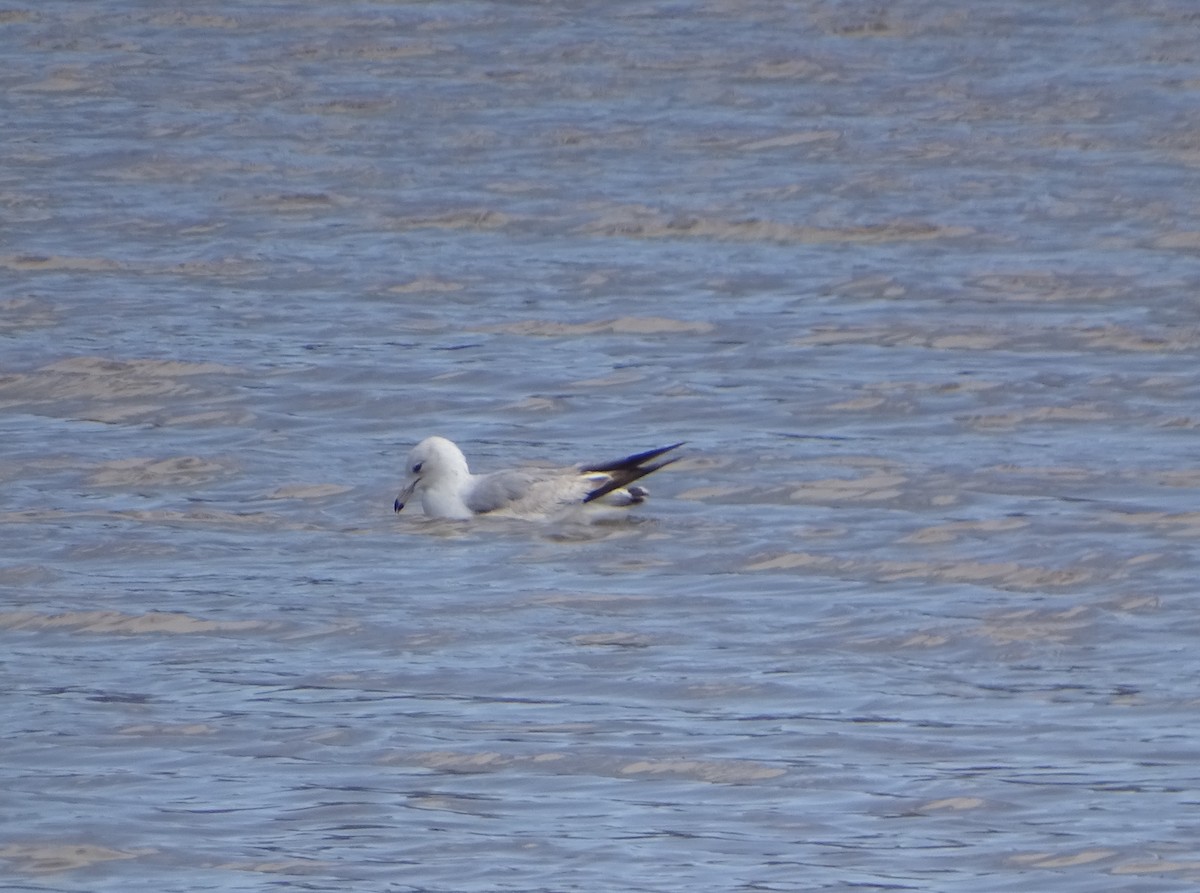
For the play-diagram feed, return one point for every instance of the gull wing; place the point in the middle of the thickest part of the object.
(536, 491)
(529, 492)
(490, 492)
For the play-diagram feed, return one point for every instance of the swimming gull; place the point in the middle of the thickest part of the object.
(438, 472)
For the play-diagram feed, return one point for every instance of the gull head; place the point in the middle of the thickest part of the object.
(434, 463)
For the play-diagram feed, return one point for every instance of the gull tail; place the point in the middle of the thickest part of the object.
(623, 472)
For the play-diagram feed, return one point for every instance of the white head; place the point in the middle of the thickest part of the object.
(430, 463)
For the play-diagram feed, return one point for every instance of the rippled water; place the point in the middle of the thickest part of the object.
(917, 282)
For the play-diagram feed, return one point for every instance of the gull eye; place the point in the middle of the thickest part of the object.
(417, 468)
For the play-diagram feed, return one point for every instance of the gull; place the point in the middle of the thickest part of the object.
(438, 472)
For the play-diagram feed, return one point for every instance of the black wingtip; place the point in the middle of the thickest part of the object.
(397, 505)
(625, 471)
(633, 461)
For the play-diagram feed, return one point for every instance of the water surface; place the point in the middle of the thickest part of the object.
(916, 284)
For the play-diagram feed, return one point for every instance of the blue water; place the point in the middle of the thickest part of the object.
(915, 283)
